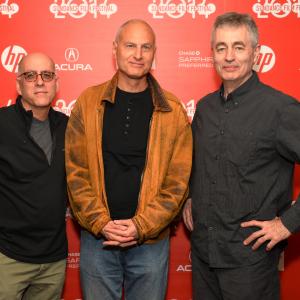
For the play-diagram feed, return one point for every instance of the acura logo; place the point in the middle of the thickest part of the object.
(71, 54)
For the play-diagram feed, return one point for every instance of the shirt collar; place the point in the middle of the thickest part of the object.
(158, 97)
(241, 90)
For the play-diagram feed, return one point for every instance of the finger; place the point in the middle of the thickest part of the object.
(270, 245)
(124, 245)
(119, 241)
(252, 223)
(187, 218)
(111, 243)
(125, 223)
(191, 225)
(115, 243)
(118, 226)
(188, 223)
(119, 238)
(259, 242)
(117, 232)
(253, 237)
(113, 227)
(132, 232)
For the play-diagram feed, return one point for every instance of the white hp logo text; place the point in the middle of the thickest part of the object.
(11, 56)
(266, 60)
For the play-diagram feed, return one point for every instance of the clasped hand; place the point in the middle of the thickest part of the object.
(122, 233)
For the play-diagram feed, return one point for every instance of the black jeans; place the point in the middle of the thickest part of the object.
(259, 281)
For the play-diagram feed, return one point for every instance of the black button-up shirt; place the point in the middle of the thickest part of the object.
(245, 148)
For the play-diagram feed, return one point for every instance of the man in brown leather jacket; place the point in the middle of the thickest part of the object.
(128, 159)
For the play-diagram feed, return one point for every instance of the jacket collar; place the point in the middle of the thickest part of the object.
(159, 99)
(27, 114)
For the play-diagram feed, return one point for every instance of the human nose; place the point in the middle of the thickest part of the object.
(229, 55)
(138, 53)
(39, 79)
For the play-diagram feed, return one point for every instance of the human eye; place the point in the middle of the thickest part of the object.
(47, 75)
(129, 45)
(220, 49)
(239, 47)
(30, 76)
(147, 47)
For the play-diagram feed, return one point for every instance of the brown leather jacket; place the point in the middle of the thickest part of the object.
(167, 169)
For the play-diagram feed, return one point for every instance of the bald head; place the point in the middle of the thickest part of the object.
(132, 23)
(37, 92)
(33, 60)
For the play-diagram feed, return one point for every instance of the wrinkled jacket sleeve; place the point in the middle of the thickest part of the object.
(173, 192)
(86, 206)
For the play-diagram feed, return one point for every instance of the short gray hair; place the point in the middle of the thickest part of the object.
(235, 19)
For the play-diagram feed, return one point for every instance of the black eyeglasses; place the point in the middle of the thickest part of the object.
(32, 76)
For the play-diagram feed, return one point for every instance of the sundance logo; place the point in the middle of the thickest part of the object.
(62, 106)
(7, 9)
(265, 8)
(63, 8)
(190, 108)
(266, 60)
(11, 57)
(176, 11)
(71, 63)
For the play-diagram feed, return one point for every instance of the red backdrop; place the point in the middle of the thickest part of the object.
(79, 34)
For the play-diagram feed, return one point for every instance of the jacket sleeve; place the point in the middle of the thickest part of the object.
(86, 206)
(288, 145)
(164, 207)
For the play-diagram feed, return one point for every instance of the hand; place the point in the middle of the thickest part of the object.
(122, 233)
(273, 231)
(187, 214)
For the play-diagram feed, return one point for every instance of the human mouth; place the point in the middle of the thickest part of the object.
(137, 65)
(40, 92)
(230, 68)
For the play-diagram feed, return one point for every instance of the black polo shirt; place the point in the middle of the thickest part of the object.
(124, 144)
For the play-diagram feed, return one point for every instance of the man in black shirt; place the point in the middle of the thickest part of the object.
(128, 159)
(246, 142)
(33, 194)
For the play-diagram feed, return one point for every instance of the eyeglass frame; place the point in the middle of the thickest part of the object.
(38, 74)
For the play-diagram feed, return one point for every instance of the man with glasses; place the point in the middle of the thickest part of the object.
(128, 158)
(33, 245)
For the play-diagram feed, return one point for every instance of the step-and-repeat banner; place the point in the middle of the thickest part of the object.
(78, 35)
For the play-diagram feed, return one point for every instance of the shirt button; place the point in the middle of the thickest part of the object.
(236, 103)
(128, 109)
(222, 132)
(127, 118)
(127, 125)
(125, 132)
